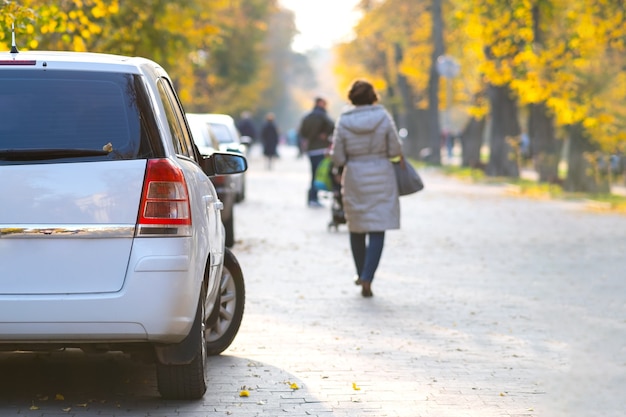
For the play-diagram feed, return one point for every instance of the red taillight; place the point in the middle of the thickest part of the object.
(164, 209)
(17, 62)
(218, 180)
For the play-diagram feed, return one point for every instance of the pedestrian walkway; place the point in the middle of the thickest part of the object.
(485, 305)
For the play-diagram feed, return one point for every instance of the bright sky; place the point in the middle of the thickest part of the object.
(322, 23)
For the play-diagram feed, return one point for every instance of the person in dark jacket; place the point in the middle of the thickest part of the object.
(269, 138)
(245, 126)
(316, 131)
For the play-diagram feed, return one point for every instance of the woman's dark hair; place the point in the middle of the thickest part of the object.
(361, 93)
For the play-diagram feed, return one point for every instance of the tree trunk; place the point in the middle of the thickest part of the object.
(433, 85)
(391, 103)
(411, 118)
(415, 121)
(471, 142)
(504, 134)
(545, 148)
(583, 173)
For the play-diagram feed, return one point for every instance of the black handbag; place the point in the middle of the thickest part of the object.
(409, 181)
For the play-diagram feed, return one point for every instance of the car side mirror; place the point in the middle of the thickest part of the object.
(224, 163)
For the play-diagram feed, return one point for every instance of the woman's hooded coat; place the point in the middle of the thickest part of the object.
(364, 140)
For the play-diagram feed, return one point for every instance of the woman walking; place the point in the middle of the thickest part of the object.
(364, 140)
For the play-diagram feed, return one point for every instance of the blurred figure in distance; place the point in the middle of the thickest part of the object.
(315, 132)
(269, 139)
(245, 126)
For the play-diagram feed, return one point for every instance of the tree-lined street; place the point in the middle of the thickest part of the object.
(539, 84)
(485, 304)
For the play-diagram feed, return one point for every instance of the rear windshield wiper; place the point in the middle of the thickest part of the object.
(44, 154)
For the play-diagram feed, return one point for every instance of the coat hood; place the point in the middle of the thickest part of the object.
(363, 119)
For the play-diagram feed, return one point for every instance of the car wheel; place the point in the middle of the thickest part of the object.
(229, 230)
(186, 382)
(231, 305)
(242, 194)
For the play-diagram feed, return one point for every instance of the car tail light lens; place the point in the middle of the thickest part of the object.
(218, 180)
(18, 62)
(164, 209)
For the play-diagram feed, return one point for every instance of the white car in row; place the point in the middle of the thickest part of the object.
(110, 229)
(215, 133)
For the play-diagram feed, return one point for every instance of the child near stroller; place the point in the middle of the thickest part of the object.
(328, 178)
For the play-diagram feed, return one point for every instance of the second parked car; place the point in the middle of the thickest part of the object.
(217, 132)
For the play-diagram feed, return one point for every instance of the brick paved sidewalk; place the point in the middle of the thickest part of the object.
(485, 305)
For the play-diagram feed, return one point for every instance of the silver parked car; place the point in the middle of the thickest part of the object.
(110, 229)
(213, 133)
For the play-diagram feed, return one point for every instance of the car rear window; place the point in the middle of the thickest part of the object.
(72, 110)
(222, 133)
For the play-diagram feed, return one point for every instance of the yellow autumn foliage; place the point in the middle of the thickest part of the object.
(581, 55)
(188, 37)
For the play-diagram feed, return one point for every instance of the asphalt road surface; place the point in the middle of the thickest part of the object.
(485, 304)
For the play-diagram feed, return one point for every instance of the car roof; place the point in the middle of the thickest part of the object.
(214, 117)
(85, 61)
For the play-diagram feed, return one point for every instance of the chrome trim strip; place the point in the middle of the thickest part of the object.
(73, 231)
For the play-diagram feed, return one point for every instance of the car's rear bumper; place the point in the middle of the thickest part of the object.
(133, 314)
(157, 303)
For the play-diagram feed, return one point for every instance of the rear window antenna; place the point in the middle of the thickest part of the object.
(13, 46)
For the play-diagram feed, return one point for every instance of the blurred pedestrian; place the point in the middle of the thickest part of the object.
(246, 127)
(364, 141)
(269, 138)
(315, 133)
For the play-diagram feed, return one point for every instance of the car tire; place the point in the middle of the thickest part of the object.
(229, 230)
(186, 382)
(221, 333)
(242, 194)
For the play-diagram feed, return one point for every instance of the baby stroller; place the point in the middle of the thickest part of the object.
(327, 178)
(338, 216)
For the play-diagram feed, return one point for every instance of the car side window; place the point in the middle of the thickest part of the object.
(175, 121)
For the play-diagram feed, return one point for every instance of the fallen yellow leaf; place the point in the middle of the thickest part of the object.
(59, 397)
(293, 385)
(355, 387)
(244, 393)
(34, 407)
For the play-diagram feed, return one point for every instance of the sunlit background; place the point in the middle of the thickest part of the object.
(322, 23)
(504, 87)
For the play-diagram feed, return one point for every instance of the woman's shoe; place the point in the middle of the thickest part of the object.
(357, 281)
(366, 291)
